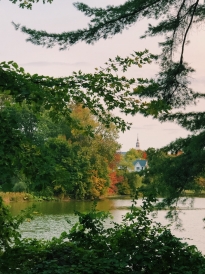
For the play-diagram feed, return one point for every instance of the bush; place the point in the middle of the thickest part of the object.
(137, 245)
(9, 234)
(20, 187)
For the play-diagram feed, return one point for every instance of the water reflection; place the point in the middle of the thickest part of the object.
(63, 207)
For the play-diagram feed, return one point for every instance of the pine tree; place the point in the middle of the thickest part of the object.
(174, 20)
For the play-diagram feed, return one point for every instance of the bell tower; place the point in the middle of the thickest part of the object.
(137, 143)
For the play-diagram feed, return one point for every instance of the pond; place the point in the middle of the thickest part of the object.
(51, 217)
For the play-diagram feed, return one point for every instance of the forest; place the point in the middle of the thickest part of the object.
(56, 158)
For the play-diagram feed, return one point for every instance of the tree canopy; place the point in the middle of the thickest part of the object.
(43, 138)
(160, 97)
(56, 157)
(174, 20)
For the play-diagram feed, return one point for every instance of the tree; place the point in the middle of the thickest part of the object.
(10, 147)
(133, 154)
(147, 244)
(167, 92)
(100, 92)
(171, 173)
(100, 149)
(136, 245)
(170, 90)
(28, 4)
(126, 161)
(115, 178)
(175, 19)
(55, 157)
(131, 180)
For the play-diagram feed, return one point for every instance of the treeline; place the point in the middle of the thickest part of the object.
(48, 153)
(55, 155)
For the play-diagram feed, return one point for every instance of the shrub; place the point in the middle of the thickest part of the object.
(137, 245)
(20, 187)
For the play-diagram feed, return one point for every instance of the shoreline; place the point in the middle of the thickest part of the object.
(10, 197)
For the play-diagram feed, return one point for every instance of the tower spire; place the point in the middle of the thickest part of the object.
(137, 143)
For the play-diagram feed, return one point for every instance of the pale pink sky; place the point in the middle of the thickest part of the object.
(62, 16)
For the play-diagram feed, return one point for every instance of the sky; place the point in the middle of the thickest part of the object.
(61, 16)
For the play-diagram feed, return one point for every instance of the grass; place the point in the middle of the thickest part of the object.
(15, 196)
(9, 197)
(191, 193)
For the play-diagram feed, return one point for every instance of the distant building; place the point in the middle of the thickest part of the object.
(140, 164)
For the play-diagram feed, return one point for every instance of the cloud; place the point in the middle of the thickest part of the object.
(43, 64)
(170, 129)
(145, 127)
(200, 79)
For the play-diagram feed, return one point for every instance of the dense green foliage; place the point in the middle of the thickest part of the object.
(37, 111)
(137, 245)
(184, 170)
(101, 92)
(169, 90)
(58, 157)
(9, 234)
(44, 159)
(131, 180)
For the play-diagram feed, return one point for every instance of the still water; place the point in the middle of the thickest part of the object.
(51, 218)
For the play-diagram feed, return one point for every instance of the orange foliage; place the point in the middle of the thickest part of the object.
(144, 155)
(201, 182)
(114, 178)
(115, 162)
(98, 185)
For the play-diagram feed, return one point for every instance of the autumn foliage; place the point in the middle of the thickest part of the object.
(115, 178)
